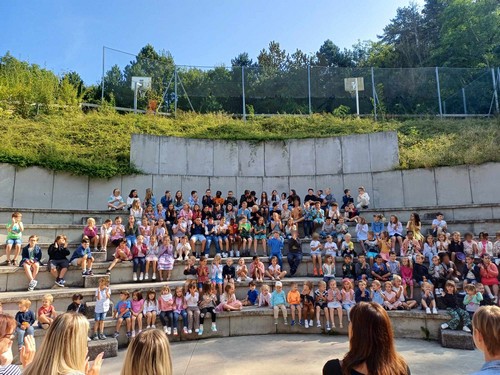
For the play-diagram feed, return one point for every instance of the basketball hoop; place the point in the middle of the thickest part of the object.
(140, 85)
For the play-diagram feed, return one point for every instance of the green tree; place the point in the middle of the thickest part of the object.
(331, 55)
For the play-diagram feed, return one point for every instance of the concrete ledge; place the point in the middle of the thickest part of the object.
(108, 346)
(456, 339)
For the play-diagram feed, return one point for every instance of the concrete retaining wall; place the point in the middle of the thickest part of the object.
(462, 185)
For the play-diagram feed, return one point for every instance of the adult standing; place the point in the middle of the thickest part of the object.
(371, 345)
(7, 337)
(486, 328)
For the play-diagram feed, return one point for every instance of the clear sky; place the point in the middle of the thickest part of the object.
(65, 35)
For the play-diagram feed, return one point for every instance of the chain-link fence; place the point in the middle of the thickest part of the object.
(252, 90)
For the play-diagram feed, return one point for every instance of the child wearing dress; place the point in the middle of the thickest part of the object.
(278, 302)
(264, 296)
(348, 300)
(242, 271)
(390, 300)
(193, 311)
(376, 293)
(150, 309)
(330, 247)
(321, 304)
(334, 299)
(216, 273)
(180, 310)
(152, 256)
(307, 304)
(228, 301)
(472, 300)
(207, 304)
(293, 299)
(328, 268)
(316, 254)
(428, 301)
(407, 274)
(166, 258)
(137, 307)
(274, 271)
(458, 315)
(362, 232)
(25, 319)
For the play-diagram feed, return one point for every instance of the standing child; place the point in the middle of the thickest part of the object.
(278, 302)
(334, 299)
(407, 274)
(316, 254)
(152, 257)
(472, 300)
(122, 312)
(328, 268)
(390, 300)
(193, 311)
(274, 271)
(25, 319)
(348, 300)
(180, 306)
(293, 299)
(264, 296)
(166, 309)
(252, 295)
(31, 258)
(428, 301)
(216, 273)
(46, 313)
(457, 314)
(228, 301)
(150, 309)
(202, 273)
(307, 304)
(137, 307)
(14, 238)
(321, 304)
(102, 296)
(207, 304)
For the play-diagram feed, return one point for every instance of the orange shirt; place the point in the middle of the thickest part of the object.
(293, 298)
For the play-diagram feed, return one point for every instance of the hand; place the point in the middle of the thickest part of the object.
(27, 352)
(95, 369)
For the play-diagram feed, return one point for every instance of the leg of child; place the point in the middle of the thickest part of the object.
(465, 317)
(148, 262)
(315, 270)
(276, 312)
(292, 311)
(62, 272)
(163, 319)
(8, 248)
(28, 271)
(411, 288)
(285, 313)
(90, 263)
(17, 250)
(45, 321)
(455, 319)
(327, 316)
(118, 325)
(95, 241)
(128, 321)
(339, 313)
(320, 268)
(190, 315)
(318, 314)
(196, 318)
(331, 314)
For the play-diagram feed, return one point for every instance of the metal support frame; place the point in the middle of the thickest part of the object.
(495, 92)
(464, 100)
(374, 93)
(102, 77)
(243, 99)
(439, 93)
(309, 87)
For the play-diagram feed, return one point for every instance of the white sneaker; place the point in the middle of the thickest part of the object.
(466, 329)
(434, 311)
(146, 277)
(153, 326)
(231, 253)
(133, 333)
(318, 325)
(152, 278)
(311, 324)
(169, 331)
(148, 327)
(428, 310)
(444, 326)
(134, 277)
(190, 331)
(141, 276)
(196, 330)
(306, 324)
(165, 330)
(238, 280)
(249, 278)
(214, 327)
(237, 253)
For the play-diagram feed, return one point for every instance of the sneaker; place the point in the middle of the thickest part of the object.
(95, 337)
(444, 326)
(85, 273)
(89, 339)
(434, 311)
(133, 333)
(175, 332)
(200, 331)
(134, 278)
(102, 336)
(148, 327)
(231, 253)
(428, 310)
(31, 285)
(165, 329)
(311, 324)
(321, 272)
(237, 253)
(62, 281)
(285, 321)
(190, 331)
(238, 280)
(249, 278)
(315, 272)
(116, 335)
(328, 327)
(108, 272)
(153, 326)
(141, 277)
(185, 330)
(214, 327)
(466, 329)
(292, 323)
(153, 277)
(196, 330)
(90, 273)
(59, 283)
(169, 331)
(306, 324)
(275, 321)
(318, 325)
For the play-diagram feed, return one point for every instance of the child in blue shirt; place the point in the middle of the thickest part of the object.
(376, 293)
(278, 302)
(122, 312)
(252, 295)
(83, 257)
(275, 246)
(25, 319)
(377, 225)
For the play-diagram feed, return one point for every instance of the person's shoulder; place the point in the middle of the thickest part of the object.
(10, 370)
(332, 367)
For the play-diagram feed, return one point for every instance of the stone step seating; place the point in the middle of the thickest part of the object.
(456, 339)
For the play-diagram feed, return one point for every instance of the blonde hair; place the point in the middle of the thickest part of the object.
(376, 282)
(264, 287)
(25, 302)
(165, 288)
(396, 278)
(104, 281)
(148, 354)
(91, 221)
(486, 320)
(216, 257)
(48, 297)
(64, 347)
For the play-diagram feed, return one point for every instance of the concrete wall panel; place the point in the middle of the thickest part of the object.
(173, 155)
(281, 184)
(302, 156)
(334, 182)
(276, 159)
(485, 180)
(387, 189)
(33, 188)
(248, 183)
(355, 180)
(225, 158)
(70, 192)
(162, 183)
(140, 182)
(145, 153)
(250, 159)
(101, 189)
(328, 154)
(7, 179)
(419, 187)
(384, 151)
(200, 157)
(301, 184)
(356, 153)
(198, 183)
(223, 184)
(453, 185)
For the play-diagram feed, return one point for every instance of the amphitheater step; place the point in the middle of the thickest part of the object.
(108, 346)
(93, 281)
(456, 339)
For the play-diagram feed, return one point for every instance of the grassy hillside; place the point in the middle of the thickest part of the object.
(97, 144)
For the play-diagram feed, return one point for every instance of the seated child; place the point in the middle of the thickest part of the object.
(316, 247)
(293, 299)
(274, 271)
(390, 300)
(31, 258)
(487, 300)
(437, 276)
(252, 295)
(328, 268)
(242, 271)
(321, 304)
(348, 300)
(376, 292)
(458, 315)
(407, 275)
(83, 257)
(121, 313)
(190, 272)
(229, 272)
(428, 301)
(401, 293)
(472, 299)
(334, 299)
(371, 246)
(166, 309)
(379, 270)
(46, 313)
(348, 269)
(330, 247)
(25, 319)
(341, 229)
(257, 269)
(207, 304)
(77, 305)
(264, 296)
(328, 228)
(363, 270)
(122, 254)
(362, 295)
(228, 301)
(193, 311)
(202, 273)
(347, 247)
(393, 265)
(91, 232)
(278, 302)
(307, 304)
(470, 271)
(420, 270)
(137, 307)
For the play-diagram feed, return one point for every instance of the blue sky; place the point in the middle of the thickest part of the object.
(67, 35)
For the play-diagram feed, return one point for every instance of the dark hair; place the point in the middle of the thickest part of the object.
(131, 195)
(251, 283)
(255, 257)
(347, 256)
(193, 192)
(138, 293)
(372, 342)
(77, 296)
(416, 217)
(346, 191)
(207, 287)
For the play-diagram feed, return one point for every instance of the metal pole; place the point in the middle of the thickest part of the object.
(175, 91)
(439, 93)
(357, 97)
(309, 87)
(243, 93)
(135, 97)
(495, 93)
(464, 100)
(102, 76)
(374, 93)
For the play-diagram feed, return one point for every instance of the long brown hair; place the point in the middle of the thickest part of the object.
(372, 342)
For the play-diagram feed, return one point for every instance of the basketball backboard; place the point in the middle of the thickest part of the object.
(143, 83)
(350, 84)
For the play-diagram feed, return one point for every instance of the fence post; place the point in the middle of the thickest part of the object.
(495, 93)
(102, 77)
(374, 93)
(464, 100)
(243, 92)
(309, 87)
(175, 90)
(439, 93)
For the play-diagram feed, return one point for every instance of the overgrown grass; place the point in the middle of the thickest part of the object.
(97, 144)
